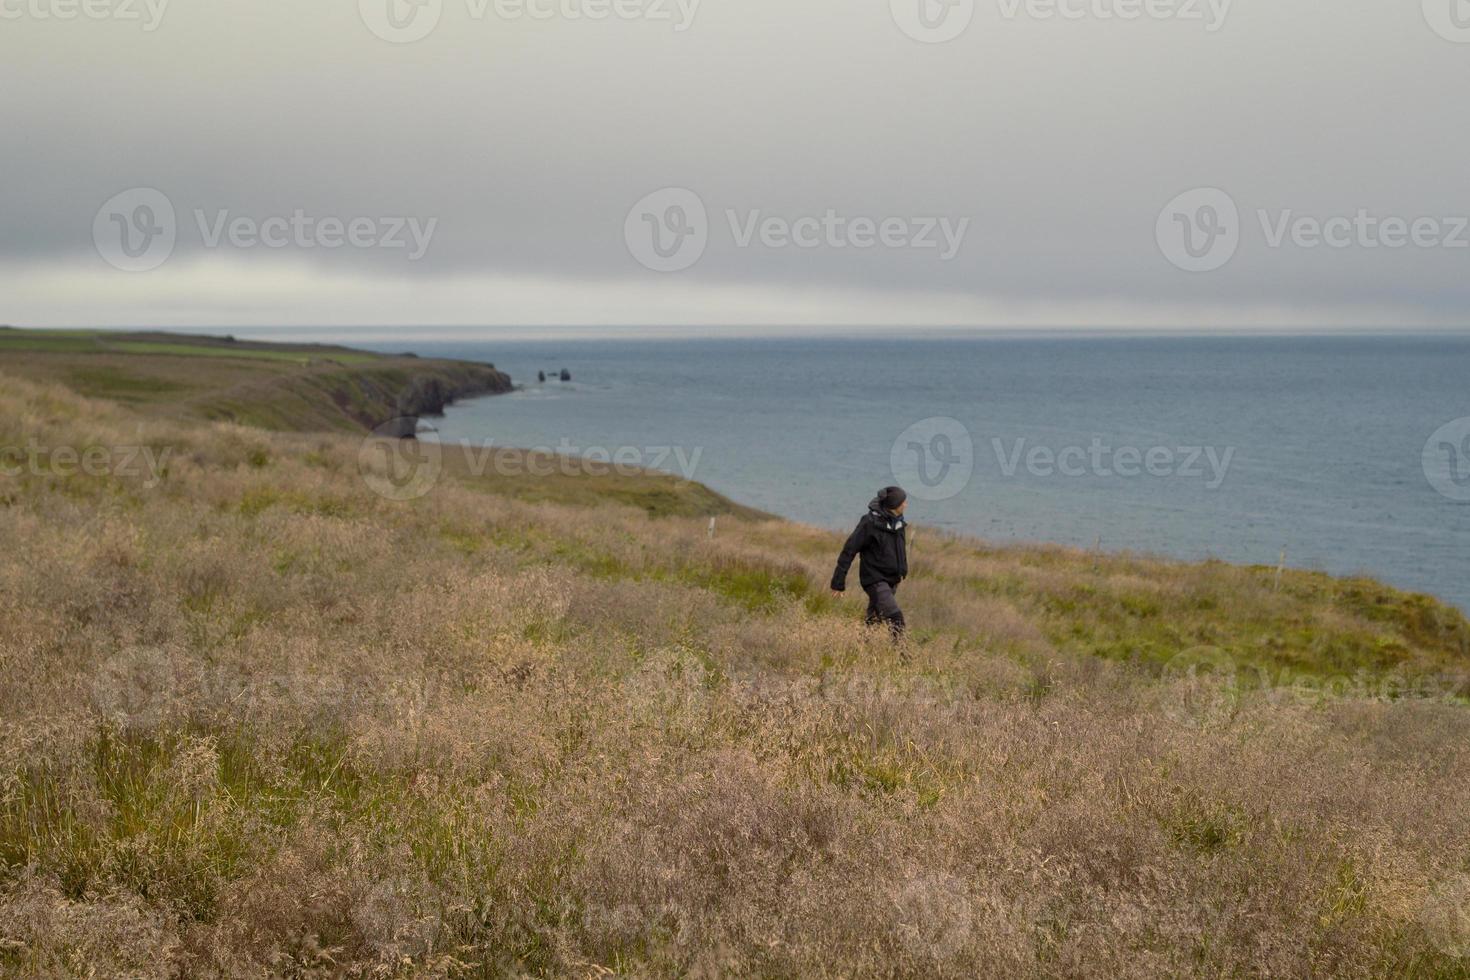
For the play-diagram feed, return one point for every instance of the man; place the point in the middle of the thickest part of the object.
(879, 538)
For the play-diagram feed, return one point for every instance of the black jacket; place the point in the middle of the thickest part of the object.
(879, 538)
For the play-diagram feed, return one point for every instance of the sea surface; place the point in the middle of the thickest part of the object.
(1239, 448)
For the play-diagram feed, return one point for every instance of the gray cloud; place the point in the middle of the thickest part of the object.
(529, 141)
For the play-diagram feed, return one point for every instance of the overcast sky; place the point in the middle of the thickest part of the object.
(748, 163)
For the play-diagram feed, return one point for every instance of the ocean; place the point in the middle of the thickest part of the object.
(1349, 454)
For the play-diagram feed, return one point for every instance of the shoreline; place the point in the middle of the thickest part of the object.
(363, 390)
(633, 394)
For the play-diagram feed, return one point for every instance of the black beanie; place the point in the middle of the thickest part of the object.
(892, 498)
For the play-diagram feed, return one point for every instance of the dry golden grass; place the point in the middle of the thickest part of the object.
(256, 720)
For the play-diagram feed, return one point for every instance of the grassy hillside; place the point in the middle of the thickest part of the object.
(291, 387)
(258, 719)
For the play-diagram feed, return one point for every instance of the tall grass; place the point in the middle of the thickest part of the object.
(257, 721)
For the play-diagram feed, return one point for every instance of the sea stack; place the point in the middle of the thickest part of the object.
(566, 375)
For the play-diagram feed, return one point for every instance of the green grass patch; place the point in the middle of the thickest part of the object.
(190, 350)
(120, 385)
(251, 353)
(257, 500)
(51, 343)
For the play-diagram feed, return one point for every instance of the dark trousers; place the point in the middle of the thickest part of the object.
(883, 607)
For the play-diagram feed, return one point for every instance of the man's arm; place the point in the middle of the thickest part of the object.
(855, 542)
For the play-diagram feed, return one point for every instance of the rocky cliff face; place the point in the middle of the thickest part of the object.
(430, 394)
(402, 396)
(388, 395)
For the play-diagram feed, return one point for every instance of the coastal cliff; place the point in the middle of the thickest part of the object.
(354, 397)
(278, 386)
